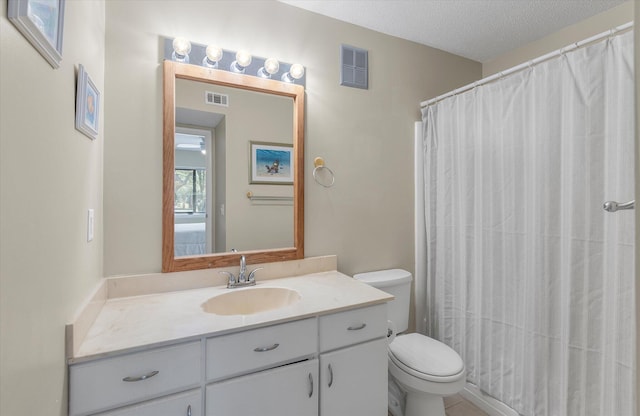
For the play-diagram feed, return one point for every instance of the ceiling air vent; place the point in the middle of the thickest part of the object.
(354, 71)
(215, 98)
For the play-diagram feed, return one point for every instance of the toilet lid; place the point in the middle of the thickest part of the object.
(426, 355)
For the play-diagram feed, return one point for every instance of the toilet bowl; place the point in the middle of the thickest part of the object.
(426, 370)
(422, 368)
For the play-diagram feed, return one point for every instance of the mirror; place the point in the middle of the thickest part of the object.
(215, 156)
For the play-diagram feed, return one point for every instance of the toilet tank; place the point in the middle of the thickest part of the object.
(396, 282)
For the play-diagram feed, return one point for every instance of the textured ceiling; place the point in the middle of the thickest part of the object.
(476, 29)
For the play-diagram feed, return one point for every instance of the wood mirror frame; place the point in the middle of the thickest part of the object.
(173, 71)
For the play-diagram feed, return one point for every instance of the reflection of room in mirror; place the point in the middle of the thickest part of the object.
(254, 110)
(232, 221)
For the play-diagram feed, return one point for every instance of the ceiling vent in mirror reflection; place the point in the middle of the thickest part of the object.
(215, 98)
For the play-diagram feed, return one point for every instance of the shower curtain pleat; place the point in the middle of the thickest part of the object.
(528, 278)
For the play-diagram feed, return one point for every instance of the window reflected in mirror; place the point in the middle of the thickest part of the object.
(191, 193)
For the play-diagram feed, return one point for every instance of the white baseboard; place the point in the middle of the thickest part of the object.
(486, 403)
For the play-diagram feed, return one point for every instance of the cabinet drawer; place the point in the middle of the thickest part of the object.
(350, 327)
(183, 404)
(257, 349)
(110, 382)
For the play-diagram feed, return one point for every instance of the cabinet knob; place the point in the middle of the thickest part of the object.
(141, 378)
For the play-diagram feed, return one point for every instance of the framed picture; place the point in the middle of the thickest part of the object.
(87, 105)
(42, 23)
(271, 163)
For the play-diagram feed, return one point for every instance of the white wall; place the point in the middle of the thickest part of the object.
(365, 136)
(594, 25)
(50, 174)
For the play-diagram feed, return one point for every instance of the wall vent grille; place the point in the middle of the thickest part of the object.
(215, 98)
(354, 69)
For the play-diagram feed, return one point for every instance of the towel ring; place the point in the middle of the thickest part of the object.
(319, 166)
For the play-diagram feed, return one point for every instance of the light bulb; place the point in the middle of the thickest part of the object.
(181, 49)
(271, 66)
(243, 58)
(212, 56)
(296, 71)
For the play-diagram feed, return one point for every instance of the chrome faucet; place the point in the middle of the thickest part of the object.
(243, 279)
(243, 269)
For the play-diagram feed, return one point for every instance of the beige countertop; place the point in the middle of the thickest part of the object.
(137, 322)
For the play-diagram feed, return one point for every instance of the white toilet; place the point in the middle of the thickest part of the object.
(423, 368)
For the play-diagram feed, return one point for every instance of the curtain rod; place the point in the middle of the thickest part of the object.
(528, 64)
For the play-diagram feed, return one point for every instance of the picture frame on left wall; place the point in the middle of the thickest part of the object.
(87, 105)
(42, 23)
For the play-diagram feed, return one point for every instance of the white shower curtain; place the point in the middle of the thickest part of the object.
(529, 279)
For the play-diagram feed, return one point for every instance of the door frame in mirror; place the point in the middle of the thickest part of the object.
(175, 70)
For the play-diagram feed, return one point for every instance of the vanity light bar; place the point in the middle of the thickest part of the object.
(257, 66)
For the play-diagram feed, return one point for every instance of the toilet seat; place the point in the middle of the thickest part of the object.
(426, 358)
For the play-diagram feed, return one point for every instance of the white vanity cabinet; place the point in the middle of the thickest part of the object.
(353, 363)
(328, 365)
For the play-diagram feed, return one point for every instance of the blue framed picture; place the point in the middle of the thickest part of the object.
(42, 23)
(271, 163)
(87, 105)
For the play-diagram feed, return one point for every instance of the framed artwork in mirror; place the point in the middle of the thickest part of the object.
(271, 163)
(87, 105)
(42, 23)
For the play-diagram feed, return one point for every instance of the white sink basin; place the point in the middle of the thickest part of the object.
(251, 300)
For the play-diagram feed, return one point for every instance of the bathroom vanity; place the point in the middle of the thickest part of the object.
(324, 353)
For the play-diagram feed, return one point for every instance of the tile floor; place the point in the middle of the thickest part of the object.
(457, 406)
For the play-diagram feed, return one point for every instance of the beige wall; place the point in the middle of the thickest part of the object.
(582, 30)
(365, 136)
(50, 174)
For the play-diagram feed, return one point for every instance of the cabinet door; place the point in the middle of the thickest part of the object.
(288, 390)
(184, 404)
(353, 380)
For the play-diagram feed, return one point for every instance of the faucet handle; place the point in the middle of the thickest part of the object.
(252, 277)
(232, 279)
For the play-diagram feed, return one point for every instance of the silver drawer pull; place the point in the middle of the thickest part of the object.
(330, 376)
(310, 385)
(189, 410)
(141, 378)
(265, 349)
(356, 328)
